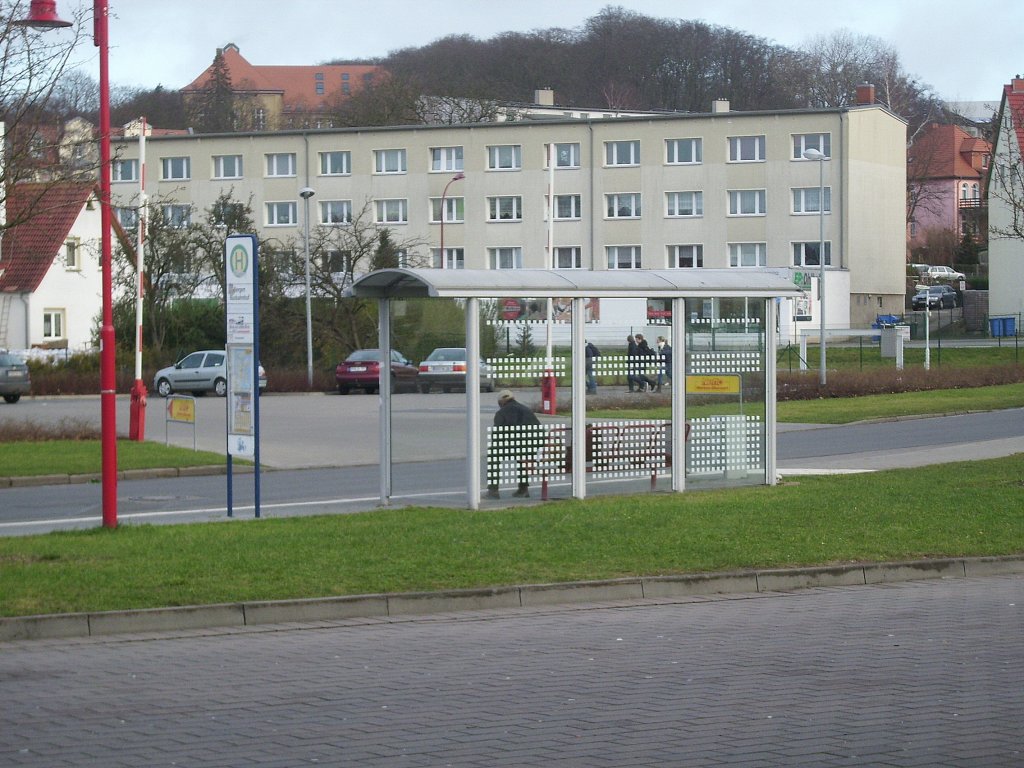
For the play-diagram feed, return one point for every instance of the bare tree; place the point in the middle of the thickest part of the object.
(33, 64)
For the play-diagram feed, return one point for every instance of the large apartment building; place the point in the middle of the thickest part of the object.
(722, 189)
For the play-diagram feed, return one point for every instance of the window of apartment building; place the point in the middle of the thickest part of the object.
(340, 262)
(684, 151)
(686, 256)
(623, 206)
(806, 254)
(335, 212)
(748, 254)
(746, 149)
(282, 214)
(504, 157)
(454, 211)
(177, 216)
(389, 161)
(567, 257)
(318, 81)
(127, 217)
(806, 200)
(281, 164)
(505, 208)
(804, 141)
(623, 256)
(566, 155)
(175, 168)
(72, 256)
(124, 170)
(335, 163)
(747, 202)
(681, 204)
(393, 211)
(453, 258)
(445, 159)
(567, 207)
(53, 323)
(505, 258)
(622, 153)
(227, 166)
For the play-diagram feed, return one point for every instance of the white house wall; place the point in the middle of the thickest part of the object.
(1005, 255)
(78, 292)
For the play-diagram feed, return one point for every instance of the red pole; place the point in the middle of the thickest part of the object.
(108, 373)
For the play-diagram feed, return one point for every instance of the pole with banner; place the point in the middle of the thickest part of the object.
(243, 355)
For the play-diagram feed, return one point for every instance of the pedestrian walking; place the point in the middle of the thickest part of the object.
(644, 357)
(665, 368)
(592, 353)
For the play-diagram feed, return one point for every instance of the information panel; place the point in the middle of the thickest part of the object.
(240, 306)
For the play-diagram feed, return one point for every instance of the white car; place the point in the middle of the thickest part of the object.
(944, 273)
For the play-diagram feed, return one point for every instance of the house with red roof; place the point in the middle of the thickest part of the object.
(946, 171)
(1006, 207)
(284, 97)
(50, 281)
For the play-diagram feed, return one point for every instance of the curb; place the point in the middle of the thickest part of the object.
(245, 614)
(32, 481)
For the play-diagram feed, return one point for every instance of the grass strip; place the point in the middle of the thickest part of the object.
(82, 457)
(963, 509)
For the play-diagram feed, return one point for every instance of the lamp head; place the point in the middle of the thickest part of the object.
(458, 176)
(42, 14)
(813, 154)
(306, 192)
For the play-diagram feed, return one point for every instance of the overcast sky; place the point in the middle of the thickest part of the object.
(964, 51)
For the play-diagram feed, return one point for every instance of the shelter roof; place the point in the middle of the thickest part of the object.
(544, 283)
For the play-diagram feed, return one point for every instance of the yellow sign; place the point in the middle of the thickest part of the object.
(720, 384)
(181, 409)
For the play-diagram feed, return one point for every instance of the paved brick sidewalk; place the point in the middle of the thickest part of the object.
(927, 673)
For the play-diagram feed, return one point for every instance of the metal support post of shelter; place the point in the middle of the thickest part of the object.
(473, 402)
(384, 395)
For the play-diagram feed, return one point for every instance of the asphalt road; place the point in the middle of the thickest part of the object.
(924, 673)
(334, 440)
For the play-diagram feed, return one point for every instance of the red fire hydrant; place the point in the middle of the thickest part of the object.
(137, 412)
(548, 386)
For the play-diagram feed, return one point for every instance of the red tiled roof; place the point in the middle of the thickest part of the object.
(1014, 93)
(297, 84)
(29, 248)
(947, 152)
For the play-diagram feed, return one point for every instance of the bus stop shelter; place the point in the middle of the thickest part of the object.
(672, 287)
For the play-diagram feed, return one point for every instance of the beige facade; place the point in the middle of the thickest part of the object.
(716, 190)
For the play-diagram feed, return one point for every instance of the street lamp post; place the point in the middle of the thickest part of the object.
(927, 326)
(305, 193)
(43, 15)
(814, 154)
(444, 195)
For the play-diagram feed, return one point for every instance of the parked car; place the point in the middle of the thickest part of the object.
(361, 370)
(936, 297)
(944, 273)
(14, 377)
(198, 373)
(445, 368)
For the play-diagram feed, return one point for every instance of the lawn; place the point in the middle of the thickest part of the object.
(973, 508)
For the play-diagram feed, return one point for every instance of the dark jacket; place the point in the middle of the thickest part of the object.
(513, 414)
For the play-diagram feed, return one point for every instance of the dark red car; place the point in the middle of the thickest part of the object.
(361, 370)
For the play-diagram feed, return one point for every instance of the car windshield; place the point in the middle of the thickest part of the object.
(448, 355)
(363, 355)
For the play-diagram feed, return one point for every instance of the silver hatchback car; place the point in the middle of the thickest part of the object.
(198, 373)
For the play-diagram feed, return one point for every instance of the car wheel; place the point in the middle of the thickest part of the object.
(488, 387)
(12, 398)
(220, 388)
(164, 388)
(425, 389)
(342, 389)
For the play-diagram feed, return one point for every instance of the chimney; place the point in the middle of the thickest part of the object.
(1017, 84)
(865, 94)
(719, 105)
(544, 97)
